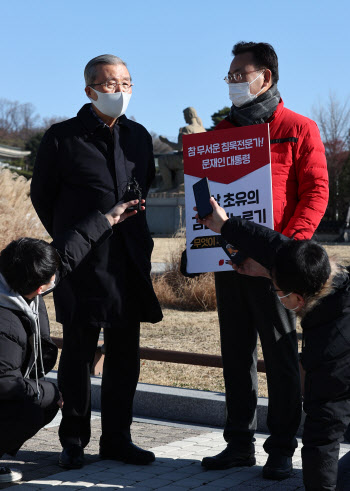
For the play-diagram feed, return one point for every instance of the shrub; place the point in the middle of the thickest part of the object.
(175, 291)
(17, 215)
(28, 174)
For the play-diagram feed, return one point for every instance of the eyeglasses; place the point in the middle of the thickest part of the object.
(112, 85)
(237, 77)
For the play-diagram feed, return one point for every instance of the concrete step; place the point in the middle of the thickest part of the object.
(177, 404)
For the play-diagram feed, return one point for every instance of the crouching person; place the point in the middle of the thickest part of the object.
(318, 291)
(29, 268)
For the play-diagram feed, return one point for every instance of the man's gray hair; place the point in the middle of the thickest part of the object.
(90, 72)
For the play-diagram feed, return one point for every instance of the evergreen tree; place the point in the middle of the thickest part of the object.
(33, 145)
(219, 116)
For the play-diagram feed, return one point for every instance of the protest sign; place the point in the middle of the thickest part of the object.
(237, 164)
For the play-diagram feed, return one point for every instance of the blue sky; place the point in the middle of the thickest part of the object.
(178, 52)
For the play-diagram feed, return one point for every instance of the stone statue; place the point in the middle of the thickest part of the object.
(172, 163)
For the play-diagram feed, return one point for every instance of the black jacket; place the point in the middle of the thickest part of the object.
(15, 330)
(80, 167)
(326, 327)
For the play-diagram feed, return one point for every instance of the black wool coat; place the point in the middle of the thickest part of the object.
(80, 167)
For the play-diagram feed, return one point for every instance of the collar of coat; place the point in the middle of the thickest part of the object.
(92, 123)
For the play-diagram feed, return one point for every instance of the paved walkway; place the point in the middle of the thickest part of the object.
(178, 448)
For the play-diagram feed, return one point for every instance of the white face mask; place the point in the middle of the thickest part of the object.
(239, 93)
(284, 296)
(50, 286)
(112, 104)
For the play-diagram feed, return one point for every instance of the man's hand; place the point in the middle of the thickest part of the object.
(250, 267)
(215, 220)
(119, 212)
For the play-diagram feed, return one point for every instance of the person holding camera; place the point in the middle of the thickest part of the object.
(29, 269)
(91, 161)
(306, 282)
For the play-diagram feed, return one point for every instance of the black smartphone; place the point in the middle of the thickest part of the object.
(133, 191)
(202, 196)
(236, 256)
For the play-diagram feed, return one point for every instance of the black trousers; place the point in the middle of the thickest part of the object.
(247, 307)
(327, 407)
(21, 421)
(119, 380)
(343, 481)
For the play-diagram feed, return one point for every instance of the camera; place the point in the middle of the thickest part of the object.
(133, 191)
(236, 256)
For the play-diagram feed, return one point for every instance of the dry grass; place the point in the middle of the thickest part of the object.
(194, 294)
(194, 332)
(177, 292)
(18, 217)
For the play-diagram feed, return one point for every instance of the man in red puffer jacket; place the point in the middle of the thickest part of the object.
(300, 196)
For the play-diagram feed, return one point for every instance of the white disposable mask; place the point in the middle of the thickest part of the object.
(239, 93)
(51, 285)
(284, 296)
(112, 104)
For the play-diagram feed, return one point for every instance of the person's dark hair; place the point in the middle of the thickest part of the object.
(301, 266)
(28, 263)
(264, 56)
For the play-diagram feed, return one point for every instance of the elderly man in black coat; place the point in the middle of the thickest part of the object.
(92, 161)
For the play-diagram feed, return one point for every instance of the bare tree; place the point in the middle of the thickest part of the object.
(17, 121)
(28, 120)
(333, 119)
(8, 110)
(159, 147)
(49, 121)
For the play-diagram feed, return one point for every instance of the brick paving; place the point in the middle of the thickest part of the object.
(179, 450)
(38, 457)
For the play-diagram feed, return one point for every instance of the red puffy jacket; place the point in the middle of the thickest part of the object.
(299, 172)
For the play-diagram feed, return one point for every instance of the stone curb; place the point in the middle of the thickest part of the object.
(177, 404)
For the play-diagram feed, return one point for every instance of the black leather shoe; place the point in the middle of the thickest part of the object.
(278, 467)
(72, 457)
(230, 457)
(129, 453)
